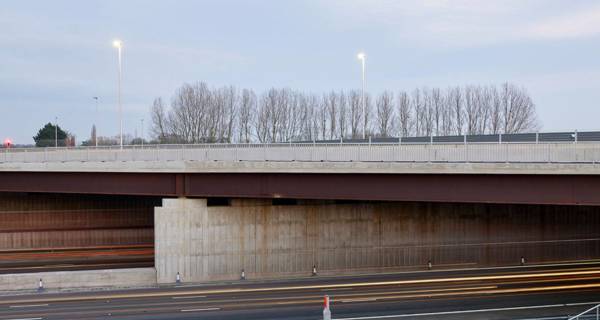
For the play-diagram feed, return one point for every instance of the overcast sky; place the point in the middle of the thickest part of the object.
(56, 55)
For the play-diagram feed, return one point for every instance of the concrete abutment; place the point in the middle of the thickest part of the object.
(209, 243)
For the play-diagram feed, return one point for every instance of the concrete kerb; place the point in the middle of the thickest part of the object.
(86, 280)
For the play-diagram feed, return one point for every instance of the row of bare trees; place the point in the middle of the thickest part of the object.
(198, 113)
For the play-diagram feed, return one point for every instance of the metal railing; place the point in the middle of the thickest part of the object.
(588, 314)
(555, 152)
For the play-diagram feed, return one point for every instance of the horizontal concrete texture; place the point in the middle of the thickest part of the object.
(206, 243)
(117, 278)
(559, 152)
(186, 166)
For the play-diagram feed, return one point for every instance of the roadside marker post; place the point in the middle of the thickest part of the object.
(178, 278)
(40, 285)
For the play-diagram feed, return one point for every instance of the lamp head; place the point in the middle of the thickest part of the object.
(361, 56)
(117, 43)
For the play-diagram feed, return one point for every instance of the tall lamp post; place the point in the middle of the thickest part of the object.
(96, 123)
(142, 120)
(361, 56)
(55, 132)
(119, 45)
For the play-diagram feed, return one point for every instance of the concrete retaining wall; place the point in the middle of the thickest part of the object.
(215, 243)
(116, 278)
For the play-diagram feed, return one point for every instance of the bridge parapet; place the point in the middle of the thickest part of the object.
(583, 152)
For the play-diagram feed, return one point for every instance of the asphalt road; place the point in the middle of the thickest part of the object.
(549, 292)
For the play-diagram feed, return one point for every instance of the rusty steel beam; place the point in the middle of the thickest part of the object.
(525, 189)
(148, 184)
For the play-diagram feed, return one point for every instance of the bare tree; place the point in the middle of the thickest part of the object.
(343, 115)
(496, 112)
(448, 127)
(518, 110)
(246, 115)
(404, 114)
(316, 115)
(471, 109)
(385, 113)
(262, 121)
(437, 110)
(331, 102)
(367, 116)
(354, 99)
(323, 115)
(200, 114)
(231, 110)
(418, 111)
(158, 120)
(427, 124)
(455, 99)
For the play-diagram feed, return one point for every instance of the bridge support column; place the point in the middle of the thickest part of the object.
(179, 236)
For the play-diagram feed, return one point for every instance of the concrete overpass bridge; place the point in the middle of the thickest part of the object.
(277, 210)
(535, 173)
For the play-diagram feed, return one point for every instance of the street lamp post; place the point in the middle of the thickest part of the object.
(362, 57)
(55, 132)
(96, 123)
(142, 131)
(119, 45)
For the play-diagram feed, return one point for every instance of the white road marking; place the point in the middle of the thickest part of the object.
(581, 303)
(359, 300)
(339, 286)
(547, 318)
(190, 297)
(465, 311)
(337, 289)
(198, 310)
(29, 305)
(26, 319)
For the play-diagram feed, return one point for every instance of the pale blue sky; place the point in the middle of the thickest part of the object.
(56, 55)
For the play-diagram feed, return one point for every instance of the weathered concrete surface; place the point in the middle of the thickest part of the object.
(215, 243)
(306, 167)
(180, 236)
(115, 278)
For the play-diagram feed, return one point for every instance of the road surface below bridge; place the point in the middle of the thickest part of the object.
(548, 292)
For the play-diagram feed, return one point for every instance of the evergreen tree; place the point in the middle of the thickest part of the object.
(47, 135)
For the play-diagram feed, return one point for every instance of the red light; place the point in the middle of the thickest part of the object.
(7, 143)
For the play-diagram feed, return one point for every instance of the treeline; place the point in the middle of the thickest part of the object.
(200, 114)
